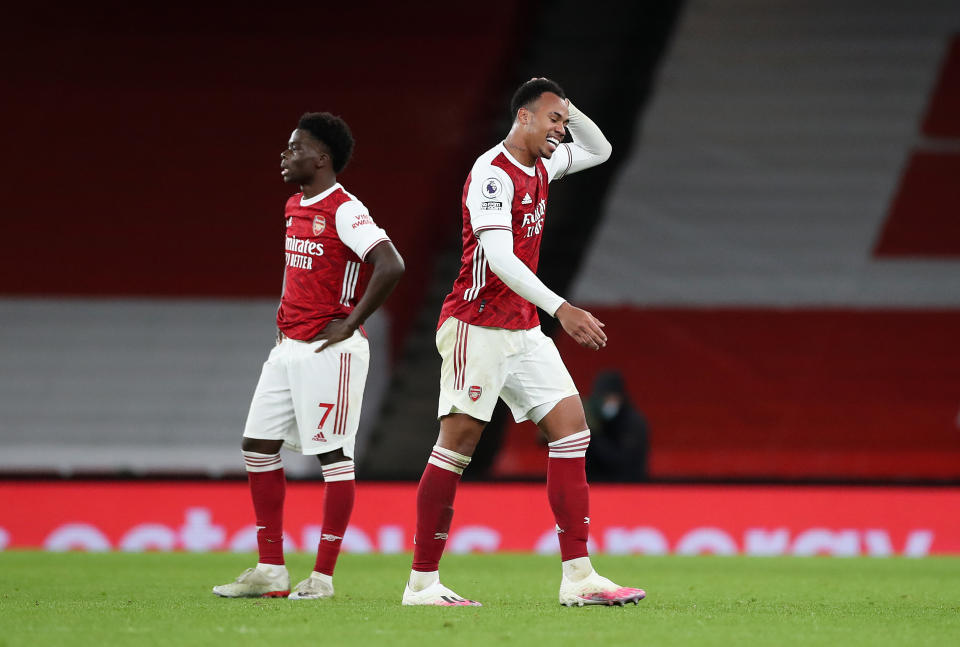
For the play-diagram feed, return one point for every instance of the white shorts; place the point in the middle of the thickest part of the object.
(311, 401)
(481, 364)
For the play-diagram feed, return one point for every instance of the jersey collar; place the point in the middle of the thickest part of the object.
(306, 202)
(529, 170)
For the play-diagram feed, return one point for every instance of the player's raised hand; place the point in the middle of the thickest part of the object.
(585, 329)
(336, 330)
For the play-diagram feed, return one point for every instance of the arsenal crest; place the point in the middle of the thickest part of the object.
(319, 224)
(474, 393)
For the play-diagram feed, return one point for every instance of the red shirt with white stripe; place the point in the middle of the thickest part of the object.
(501, 193)
(328, 238)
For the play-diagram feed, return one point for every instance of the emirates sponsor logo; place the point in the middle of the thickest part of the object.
(300, 252)
(301, 246)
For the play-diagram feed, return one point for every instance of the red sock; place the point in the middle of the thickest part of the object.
(569, 493)
(435, 495)
(268, 486)
(338, 496)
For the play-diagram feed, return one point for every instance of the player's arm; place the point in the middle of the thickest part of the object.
(357, 231)
(589, 146)
(388, 267)
(497, 245)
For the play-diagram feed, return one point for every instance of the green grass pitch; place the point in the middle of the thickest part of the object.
(165, 599)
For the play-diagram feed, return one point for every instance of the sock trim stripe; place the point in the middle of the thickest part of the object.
(573, 446)
(342, 471)
(262, 462)
(447, 460)
(571, 452)
(339, 470)
(334, 478)
(453, 460)
(572, 439)
(336, 466)
(582, 454)
(452, 455)
(444, 463)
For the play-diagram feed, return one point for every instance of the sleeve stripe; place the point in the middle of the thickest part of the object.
(363, 256)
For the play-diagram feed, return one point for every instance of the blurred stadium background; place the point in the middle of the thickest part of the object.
(774, 247)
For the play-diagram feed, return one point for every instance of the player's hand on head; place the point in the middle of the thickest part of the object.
(335, 331)
(582, 326)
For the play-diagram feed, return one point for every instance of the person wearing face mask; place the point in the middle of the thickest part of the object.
(619, 445)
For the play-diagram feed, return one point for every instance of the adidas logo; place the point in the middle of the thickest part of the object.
(318, 437)
(527, 199)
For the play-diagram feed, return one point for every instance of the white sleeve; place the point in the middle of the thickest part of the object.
(357, 229)
(589, 147)
(498, 249)
(490, 198)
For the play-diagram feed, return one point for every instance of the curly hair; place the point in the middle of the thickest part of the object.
(333, 132)
(530, 91)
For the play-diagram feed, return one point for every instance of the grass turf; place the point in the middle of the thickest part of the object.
(165, 599)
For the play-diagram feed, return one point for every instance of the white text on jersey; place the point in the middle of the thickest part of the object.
(534, 221)
(296, 249)
(293, 244)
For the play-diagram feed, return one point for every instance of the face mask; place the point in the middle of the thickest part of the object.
(609, 409)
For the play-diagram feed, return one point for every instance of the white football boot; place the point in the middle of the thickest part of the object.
(596, 589)
(318, 585)
(263, 581)
(433, 594)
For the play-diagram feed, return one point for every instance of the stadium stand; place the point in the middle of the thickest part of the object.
(773, 245)
(143, 158)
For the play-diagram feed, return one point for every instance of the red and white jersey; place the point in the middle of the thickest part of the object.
(328, 237)
(502, 193)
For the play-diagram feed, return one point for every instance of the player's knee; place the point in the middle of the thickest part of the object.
(335, 456)
(261, 445)
(561, 418)
(460, 433)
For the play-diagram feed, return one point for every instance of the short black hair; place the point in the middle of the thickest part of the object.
(530, 91)
(333, 132)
